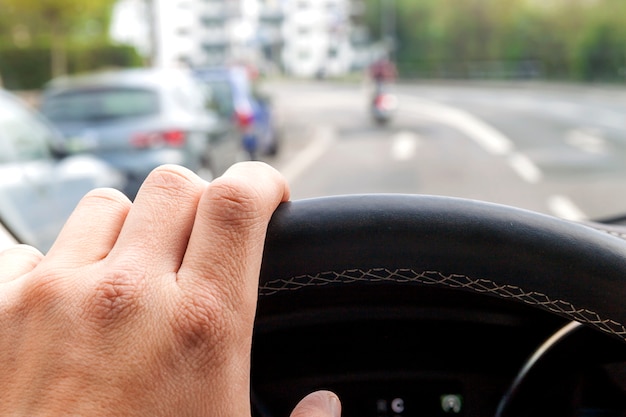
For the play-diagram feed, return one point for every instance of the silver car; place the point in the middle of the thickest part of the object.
(38, 187)
(139, 119)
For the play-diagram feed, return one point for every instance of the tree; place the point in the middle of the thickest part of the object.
(563, 39)
(56, 19)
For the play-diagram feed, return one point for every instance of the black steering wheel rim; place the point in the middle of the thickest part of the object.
(569, 269)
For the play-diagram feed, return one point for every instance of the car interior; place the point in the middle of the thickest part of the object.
(433, 306)
(428, 302)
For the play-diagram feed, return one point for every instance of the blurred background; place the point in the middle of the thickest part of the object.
(519, 102)
(582, 40)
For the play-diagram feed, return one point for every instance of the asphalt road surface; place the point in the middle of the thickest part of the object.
(557, 149)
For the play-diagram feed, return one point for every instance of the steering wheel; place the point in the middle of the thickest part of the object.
(350, 263)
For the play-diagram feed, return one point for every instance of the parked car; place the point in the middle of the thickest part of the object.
(235, 99)
(39, 187)
(139, 119)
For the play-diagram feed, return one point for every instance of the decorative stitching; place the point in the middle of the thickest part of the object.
(532, 298)
(612, 233)
(608, 231)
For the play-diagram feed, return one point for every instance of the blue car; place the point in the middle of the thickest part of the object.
(235, 99)
(138, 119)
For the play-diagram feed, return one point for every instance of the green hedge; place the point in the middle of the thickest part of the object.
(29, 68)
(507, 39)
(24, 68)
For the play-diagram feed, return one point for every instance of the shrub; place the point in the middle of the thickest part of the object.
(28, 68)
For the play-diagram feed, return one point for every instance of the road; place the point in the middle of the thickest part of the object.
(556, 149)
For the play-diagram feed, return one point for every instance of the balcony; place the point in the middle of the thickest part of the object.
(212, 39)
(269, 35)
(212, 20)
(271, 16)
(220, 11)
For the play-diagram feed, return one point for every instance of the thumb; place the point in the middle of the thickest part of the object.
(318, 404)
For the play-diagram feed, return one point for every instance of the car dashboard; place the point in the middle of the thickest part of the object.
(410, 350)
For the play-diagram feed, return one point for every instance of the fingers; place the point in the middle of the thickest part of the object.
(113, 338)
(159, 223)
(318, 404)
(17, 261)
(229, 232)
(92, 229)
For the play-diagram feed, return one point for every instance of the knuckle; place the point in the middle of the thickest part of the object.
(202, 324)
(22, 254)
(171, 180)
(114, 298)
(107, 201)
(23, 251)
(109, 196)
(234, 199)
(106, 197)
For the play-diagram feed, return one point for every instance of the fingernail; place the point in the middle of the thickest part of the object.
(335, 405)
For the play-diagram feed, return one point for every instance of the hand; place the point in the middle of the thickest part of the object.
(142, 309)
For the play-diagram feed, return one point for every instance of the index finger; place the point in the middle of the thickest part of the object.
(226, 243)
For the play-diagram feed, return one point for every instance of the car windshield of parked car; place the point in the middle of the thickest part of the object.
(516, 102)
(100, 104)
(23, 137)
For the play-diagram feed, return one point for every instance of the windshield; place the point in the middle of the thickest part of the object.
(22, 136)
(517, 102)
(100, 104)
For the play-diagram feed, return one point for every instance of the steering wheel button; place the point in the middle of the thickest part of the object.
(451, 403)
(397, 405)
(381, 406)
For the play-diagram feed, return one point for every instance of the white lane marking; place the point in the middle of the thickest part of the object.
(565, 208)
(323, 138)
(490, 139)
(524, 167)
(486, 136)
(404, 145)
(587, 140)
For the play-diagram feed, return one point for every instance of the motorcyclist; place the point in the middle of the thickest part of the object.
(382, 72)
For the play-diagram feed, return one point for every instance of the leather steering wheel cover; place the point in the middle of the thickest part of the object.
(570, 269)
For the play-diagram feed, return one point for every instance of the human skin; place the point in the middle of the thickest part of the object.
(143, 308)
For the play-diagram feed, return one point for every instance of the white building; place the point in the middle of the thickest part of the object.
(302, 37)
(316, 37)
(226, 31)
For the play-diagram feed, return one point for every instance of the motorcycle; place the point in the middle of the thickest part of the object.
(383, 106)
